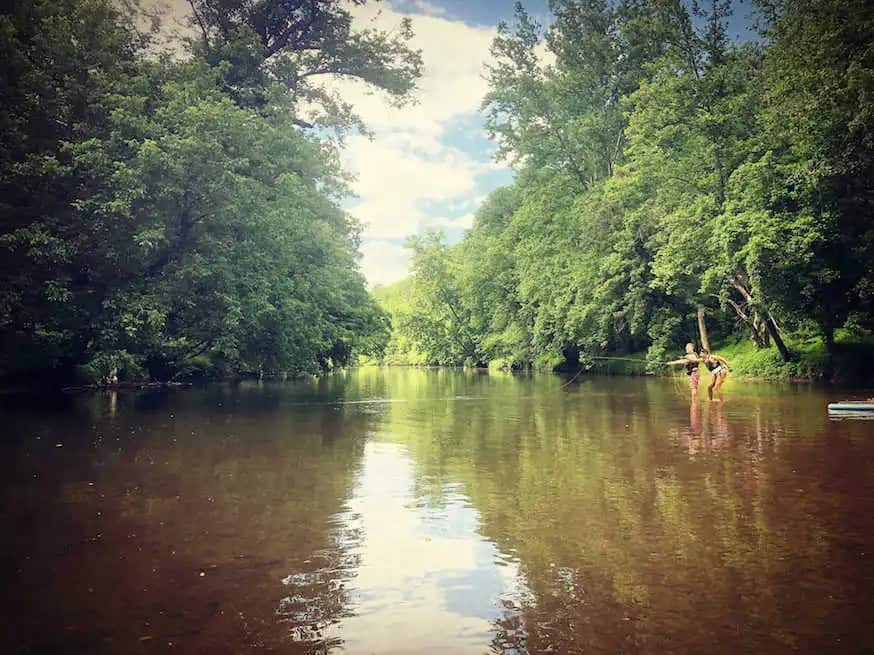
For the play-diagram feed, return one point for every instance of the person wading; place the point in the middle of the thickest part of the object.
(718, 367)
(691, 361)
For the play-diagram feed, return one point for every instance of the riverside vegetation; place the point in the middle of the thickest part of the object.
(165, 210)
(670, 180)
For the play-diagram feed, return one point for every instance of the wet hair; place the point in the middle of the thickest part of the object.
(690, 347)
(705, 351)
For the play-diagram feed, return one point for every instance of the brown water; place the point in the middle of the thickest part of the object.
(414, 511)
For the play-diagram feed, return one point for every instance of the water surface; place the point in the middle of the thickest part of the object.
(404, 510)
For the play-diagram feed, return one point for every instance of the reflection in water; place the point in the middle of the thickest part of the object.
(708, 428)
(436, 511)
(424, 573)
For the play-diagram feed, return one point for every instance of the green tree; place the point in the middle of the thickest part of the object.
(439, 317)
(294, 44)
(813, 180)
(156, 221)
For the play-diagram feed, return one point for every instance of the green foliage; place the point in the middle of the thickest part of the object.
(848, 361)
(402, 347)
(111, 366)
(663, 170)
(152, 218)
(292, 44)
(818, 161)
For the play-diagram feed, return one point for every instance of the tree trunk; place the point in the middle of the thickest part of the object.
(767, 321)
(702, 329)
(778, 340)
(763, 331)
(751, 323)
(761, 328)
(829, 334)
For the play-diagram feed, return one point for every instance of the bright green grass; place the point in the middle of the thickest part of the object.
(852, 361)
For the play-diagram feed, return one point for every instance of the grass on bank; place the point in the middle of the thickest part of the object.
(852, 360)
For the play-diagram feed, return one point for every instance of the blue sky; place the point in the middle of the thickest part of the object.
(428, 167)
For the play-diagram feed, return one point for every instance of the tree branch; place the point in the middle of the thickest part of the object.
(200, 22)
(283, 38)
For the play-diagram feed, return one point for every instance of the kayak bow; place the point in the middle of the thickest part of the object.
(849, 406)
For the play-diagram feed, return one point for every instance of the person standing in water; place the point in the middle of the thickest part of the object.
(718, 367)
(691, 362)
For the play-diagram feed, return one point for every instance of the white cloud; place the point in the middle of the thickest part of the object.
(397, 183)
(384, 262)
(452, 84)
(408, 177)
(429, 8)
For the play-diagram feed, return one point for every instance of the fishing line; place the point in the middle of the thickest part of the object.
(623, 359)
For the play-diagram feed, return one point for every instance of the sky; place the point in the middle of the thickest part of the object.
(427, 166)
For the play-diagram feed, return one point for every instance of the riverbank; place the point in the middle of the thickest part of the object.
(850, 363)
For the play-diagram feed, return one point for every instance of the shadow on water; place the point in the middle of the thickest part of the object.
(143, 520)
(436, 511)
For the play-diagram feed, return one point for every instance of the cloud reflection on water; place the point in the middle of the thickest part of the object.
(423, 571)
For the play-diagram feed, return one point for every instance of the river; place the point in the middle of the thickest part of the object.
(437, 511)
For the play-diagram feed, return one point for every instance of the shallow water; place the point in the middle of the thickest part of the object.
(404, 510)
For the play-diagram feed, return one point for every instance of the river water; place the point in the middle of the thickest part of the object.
(437, 511)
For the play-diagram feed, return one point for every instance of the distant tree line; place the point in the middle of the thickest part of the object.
(164, 212)
(673, 183)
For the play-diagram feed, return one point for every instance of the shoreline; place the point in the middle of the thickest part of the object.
(568, 373)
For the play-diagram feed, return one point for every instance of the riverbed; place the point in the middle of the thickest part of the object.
(437, 511)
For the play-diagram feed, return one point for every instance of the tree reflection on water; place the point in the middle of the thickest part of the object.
(437, 511)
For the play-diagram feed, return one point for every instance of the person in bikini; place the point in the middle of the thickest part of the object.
(718, 367)
(691, 361)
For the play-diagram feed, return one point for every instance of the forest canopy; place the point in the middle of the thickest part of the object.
(174, 212)
(166, 215)
(674, 183)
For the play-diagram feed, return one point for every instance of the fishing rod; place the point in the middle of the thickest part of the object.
(624, 359)
(630, 359)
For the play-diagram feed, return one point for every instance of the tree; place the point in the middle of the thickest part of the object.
(564, 116)
(294, 43)
(816, 165)
(156, 225)
(439, 318)
(669, 182)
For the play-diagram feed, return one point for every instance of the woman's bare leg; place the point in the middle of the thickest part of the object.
(719, 382)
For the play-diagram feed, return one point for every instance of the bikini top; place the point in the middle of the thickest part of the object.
(691, 366)
(712, 364)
